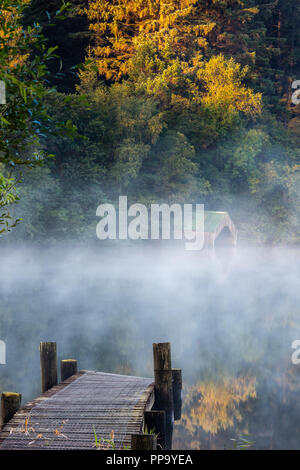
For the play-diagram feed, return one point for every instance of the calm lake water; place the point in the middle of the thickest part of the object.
(231, 316)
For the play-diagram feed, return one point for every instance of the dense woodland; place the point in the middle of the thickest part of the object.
(168, 100)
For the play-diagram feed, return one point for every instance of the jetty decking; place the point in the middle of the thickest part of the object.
(90, 410)
(67, 416)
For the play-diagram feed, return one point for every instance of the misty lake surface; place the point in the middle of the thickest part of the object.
(231, 316)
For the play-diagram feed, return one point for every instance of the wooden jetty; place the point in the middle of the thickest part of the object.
(90, 410)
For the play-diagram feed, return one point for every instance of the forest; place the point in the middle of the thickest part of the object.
(160, 100)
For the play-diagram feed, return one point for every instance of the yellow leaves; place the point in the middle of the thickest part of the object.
(224, 89)
(114, 28)
(253, 10)
(105, 51)
(143, 13)
(220, 71)
(58, 431)
(99, 28)
(215, 406)
(26, 425)
(188, 3)
(176, 30)
(11, 34)
(158, 20)
(203, 29)
(148, 27)
(18, 61)
(202, 42)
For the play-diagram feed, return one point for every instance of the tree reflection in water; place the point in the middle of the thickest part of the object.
(210, 410)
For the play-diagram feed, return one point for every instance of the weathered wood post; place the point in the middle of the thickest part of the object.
(10, 403)
(155, 421)
(143, 442)
(177, 388)
(68, 367)
(48, 365)
(163, 377)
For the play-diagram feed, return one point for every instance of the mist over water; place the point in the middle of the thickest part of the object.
(231, 316)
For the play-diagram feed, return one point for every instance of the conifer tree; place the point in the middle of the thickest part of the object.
(188, 30)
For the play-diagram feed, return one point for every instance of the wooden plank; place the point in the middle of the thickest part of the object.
(65, 416)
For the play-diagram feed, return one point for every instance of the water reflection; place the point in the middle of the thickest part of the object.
(211, 408)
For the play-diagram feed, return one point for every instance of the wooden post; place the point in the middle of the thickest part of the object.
(10, 403)
(163, 377)
(48, 365)
(162, 356)
(156, 422)
(177, 388)
(68, 367)
(143, 442)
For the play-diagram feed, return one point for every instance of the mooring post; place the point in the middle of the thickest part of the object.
(10, 403)
(48, 365)
(163, 377)
(68, 367)
(143, 442)
(155, 421)
(177, 388)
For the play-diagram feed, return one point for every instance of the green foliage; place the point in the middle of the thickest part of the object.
(242, 442)
(24, 118)
(149, 431)
(71, 34)
(176, 102)
(107, 444)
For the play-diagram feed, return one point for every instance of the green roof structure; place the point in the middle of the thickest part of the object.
(218, 224)
(212, 220)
